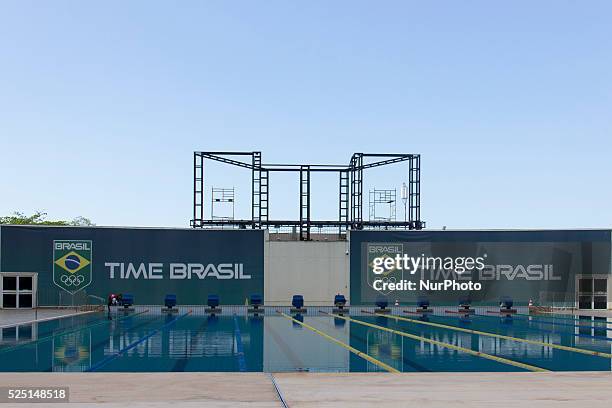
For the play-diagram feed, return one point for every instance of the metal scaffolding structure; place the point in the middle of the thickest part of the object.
(382, 198)
(350, 194)
(222, 197)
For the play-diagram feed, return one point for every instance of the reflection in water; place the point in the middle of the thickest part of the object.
(210, 343)
(299, 318)
(18, 334)
(339, 323)
(72, 352)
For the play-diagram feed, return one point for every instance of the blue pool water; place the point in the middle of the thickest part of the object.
(151, 341)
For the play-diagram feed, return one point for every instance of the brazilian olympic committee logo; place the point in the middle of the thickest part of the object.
(383, 250)
(72, 264)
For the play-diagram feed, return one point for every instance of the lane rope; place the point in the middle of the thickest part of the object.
(499, 336)
(531, 319)
(560, 331)
(342, 344)
(442, 344)
(577, 322)
(554, 330)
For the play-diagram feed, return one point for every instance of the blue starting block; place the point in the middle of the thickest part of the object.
(339, 303)
(257, 304)
(465, 307)
(297, 304)
(423, 306)
(170, 303)
(382, 304)
(127, 301)
(213, 305)
(505, 307)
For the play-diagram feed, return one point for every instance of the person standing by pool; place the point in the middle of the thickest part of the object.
(113, 300)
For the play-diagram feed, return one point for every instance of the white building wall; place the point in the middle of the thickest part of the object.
(316, 270)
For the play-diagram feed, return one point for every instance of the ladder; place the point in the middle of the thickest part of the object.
(304, 203)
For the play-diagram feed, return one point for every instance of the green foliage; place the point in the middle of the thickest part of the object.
(40, 218)
(82, 222)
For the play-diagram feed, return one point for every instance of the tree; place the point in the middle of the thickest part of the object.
(81, 221)
(40, 218)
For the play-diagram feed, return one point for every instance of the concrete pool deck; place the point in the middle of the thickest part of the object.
(562, 389)
(14, 317)
(576, 313)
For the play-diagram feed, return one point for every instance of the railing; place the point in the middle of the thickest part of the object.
(61, 298)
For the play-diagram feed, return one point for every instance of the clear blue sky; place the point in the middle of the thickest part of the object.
(509, 103)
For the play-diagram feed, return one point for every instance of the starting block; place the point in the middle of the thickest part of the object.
(382, 306)
(170, 303)
(213, 303)
(127, 301)
(340, 303)
(423, 307)
(257, 303)
(297, 304)
(465, 308)
(505, 308)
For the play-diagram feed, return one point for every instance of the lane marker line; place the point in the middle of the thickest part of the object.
(67, 331)
(531, 319)
(405, 360)
(554, 329)
(342, 344)
(548, 315)
(239, 348)
(291, 355)
(500, 336)
(442, 344)
(112, 357)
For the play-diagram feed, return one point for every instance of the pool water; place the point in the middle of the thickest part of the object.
(233, 341)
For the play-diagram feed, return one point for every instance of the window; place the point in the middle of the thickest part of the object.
(25, 300)
(600, 302)
(600, 285)
(17, 290)
(585, 285)
(584, 302)
(9, 283)
(9, 301)
(25, 283)
(592, 293)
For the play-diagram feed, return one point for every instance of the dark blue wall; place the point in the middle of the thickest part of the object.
(30, 249)
(566, 253)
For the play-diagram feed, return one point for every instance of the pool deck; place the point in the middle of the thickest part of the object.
(561, 389)
(574, 312)
(13, 317)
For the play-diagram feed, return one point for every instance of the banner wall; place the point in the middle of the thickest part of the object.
(148, 263)
(482, 266)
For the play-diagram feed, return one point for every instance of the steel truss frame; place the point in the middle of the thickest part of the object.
(350, 193)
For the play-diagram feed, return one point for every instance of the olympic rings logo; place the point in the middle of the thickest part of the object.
(72, 280)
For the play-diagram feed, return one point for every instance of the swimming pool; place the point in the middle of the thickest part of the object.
(148, 341)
